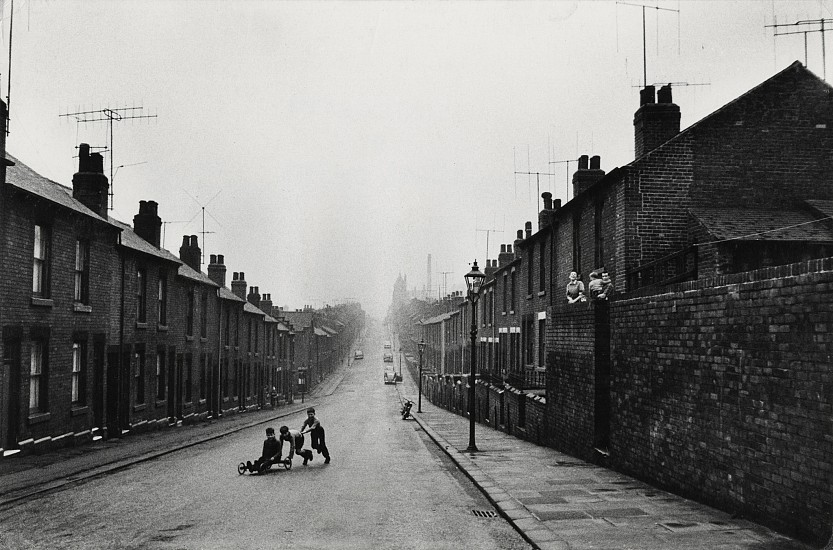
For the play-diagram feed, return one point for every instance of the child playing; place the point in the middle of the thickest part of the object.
(316, 431)
(296, 444)
(270, 455)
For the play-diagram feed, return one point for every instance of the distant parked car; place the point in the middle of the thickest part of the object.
(390, 375)
(388, 357)
(359, 354)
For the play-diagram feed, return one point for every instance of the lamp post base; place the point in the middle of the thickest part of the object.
(472, 449)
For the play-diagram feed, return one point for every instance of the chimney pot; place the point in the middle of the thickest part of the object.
(547, 196)
(595, 162)
(646, 95)
(582, 162)
(520, 235)
(186, 241)
(221, 259)
(213, 258)
(664, 94)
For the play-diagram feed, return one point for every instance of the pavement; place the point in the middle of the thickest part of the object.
(555, 501)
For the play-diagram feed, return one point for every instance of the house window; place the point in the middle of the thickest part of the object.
(530, 270)
(542, 266)
(160, 373)
(79, 363)
(512, 293)
(228, 326)
(505, 286)
(204, 315)
(203, 375)
(141, 295)
(37, 377)
(40, 266)
(189, 377)
(189, 315)
(600, 240)
(82, 271)
(577, 243)
(257, 337)
(163, 299)
(139, 358)
(528, 341)
(249, 334)
(542, 332)
(237, 329)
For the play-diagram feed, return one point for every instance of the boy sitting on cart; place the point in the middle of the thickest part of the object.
(270, 455)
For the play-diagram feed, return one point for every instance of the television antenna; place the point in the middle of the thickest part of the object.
(567, 162)
(110, 116)
(203, 232)
(805, 27)
(644, 47)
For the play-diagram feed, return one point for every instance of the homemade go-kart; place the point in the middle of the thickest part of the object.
(242, 468)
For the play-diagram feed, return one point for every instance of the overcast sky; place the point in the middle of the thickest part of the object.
(334, 145)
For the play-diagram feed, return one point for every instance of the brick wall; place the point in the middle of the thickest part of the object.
(721, 391)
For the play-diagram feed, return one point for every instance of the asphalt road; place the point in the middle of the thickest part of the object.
(388, 486)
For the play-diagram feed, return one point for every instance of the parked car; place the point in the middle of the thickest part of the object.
(388, 357)
(359, 354)
(390, 375)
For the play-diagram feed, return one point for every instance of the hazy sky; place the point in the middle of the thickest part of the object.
(334, 145)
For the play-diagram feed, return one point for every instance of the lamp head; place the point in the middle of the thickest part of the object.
(421, 345)
(474, 280)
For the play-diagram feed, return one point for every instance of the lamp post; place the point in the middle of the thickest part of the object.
(474, 279)
(421, 347)
(400, 364)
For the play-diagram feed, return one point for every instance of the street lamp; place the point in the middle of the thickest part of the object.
(474, 280)
(400, 364)
(421, 347)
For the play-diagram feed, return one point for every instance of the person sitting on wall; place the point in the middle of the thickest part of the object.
(575, 289)
(607, 287)
(594, 287)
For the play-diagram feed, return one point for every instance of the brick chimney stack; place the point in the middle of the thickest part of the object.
(89, 184)
(190, 252)
(518, 240)
(545, 215)
(528, 229)
(254, 296)
(655, 122)
(238, 284)
(266, 303)
(505, 255)
(147, 223)
(217, 269)
(587, 175)
(491, 267)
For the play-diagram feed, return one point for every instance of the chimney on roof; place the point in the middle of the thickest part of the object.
(266, 303)
(587, 175)
(238, 285)
(491, 267)
(655, 123)
(147, 223)
(89, 184)
(544, 216)
(528, 229)
(518, 240)
(217, 269)
(254, 296)
(505, 255)
(190, 252)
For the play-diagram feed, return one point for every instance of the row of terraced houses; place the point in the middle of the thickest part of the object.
(708, 372)
(104, 332)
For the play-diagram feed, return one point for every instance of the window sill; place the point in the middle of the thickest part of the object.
(188, 405)
(542, 293)
(161, 402)
(80, 410)
(141, 325)
(42, 302)
(162, 328)
(78, 307)
(139, 407)
(512, 312)
(189, 338)
(503, 314)
(202, 401)
(529, 296)
(203, 339)
(37, 418)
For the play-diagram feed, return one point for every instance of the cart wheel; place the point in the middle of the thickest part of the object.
(287, 464)
(241, 468)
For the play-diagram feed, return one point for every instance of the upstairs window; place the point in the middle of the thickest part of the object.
(600, 239)
(204, 315)
(189, 315)
(162, 297)
(82, 271)
(542, 267)
(577, 243)
(40, 263)
(141, 295)
(530, 270)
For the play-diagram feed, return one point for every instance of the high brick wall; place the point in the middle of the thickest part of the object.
(571, 384)
(722, 391)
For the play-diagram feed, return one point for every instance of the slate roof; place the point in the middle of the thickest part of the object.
(188, 272)
(436, 319)
(825, 208)
(299, 319)
(319, 332)
(131, 240)
(763, 225)
(250, 308)
(21, 176)
(226, 294)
